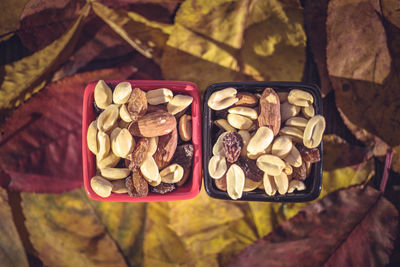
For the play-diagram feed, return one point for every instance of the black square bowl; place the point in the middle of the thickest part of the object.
(313, 182)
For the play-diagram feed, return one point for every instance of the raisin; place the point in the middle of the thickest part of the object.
(163, 188)
(139, 153)
(221, 183)
(184, 157)
(221, 114)
(233, 144)
(300, 173)
(137, 186)
(309, 154)
(250, 169)
(137, 104)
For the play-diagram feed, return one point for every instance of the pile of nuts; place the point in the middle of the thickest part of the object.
(136, 142)
(266, 141)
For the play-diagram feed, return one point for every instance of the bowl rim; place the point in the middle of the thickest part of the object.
(209, 185)
(196, 176)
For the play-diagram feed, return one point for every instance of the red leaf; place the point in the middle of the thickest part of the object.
(41, 146)
(352, 227)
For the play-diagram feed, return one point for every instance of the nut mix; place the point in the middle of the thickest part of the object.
(266, 141)
(135, 139)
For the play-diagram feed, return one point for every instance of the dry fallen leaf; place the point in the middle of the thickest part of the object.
(11, 250)
(228, 41)
(9, 19)
(364, 237)
(27, 76)
(42, 139)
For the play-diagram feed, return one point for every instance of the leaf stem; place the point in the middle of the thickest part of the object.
(385, 176)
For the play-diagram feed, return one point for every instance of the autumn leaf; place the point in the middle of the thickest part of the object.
(228, 41)
(27, 76)
(364, 237)
(9, 20)
(11, 250)
(147, 37)
(71, 228)
(41, 145)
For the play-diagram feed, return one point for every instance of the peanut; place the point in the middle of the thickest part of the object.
(102, 95)
(217, 166)
(153, 144)
(297, 122)
(223, 99)
(172, 174)
(122, 92)
(179, 103)
(294, 157)
(300, 98)
(308, 112)
(91, 138)
(124, 114)
(246, 138)
(281, 146)
(288, 110)
(314, 131)
(110, 161)
(282, 183)
(149, 169)
(270, 164)
(269, 185)
(250, 185)
(101, 186)
(224, 125)
(244, 111)
(104, 144)
(260, 141)
(235, 181)
(294, 133)
(124, 143)
(108, 118)
(115, 173)
(159, 96)
(239, 122)
(296, 185)
(218, 148)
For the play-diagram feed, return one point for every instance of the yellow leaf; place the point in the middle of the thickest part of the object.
(24, 76)
(147, 37)
(74, 230)
(11, 250)
(9, 19)
(224, 40)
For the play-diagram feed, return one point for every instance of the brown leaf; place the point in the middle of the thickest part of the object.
(9, 20)
(41, 145)
(350, 227)
(11, 250)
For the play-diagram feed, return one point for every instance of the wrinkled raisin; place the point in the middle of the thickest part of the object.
(184, 157)
(139, 153)
(137, 104)
(300, 173)
(221, 183)
(250, 169)
(137, 186)
(163, 188)
(309, 154)
(233, 144)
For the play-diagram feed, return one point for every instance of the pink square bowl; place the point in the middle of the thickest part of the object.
(191, 187)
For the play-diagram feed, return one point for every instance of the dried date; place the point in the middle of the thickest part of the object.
(309, 154)
(233, 144)
(250, 169)
(163, 188)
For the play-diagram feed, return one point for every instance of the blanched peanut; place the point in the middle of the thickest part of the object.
(102, 95)
(153, 143)
(294, 133)
(124, 114)
(104, 144)
(300, 98)
(281, 146)
(124, 143)
(108, 118)
(217, 167)
(235, 181)
(297, 122)
(260, 141)
(101, 186)
(282, 183)
(250, 185)
(91, 138)
(222, 99)
(269, 185)
(156, 182)
(270, 164)
(224, 125)
(113, 139)
(172, 174)
(118, 186)
(149, 169)
(288, 110)
(159, 96)
(294, 157)
(110, 161)
(218, 148)
(296, 185)
(308, 112)
(244, 111)
(122, 92)
(246, 138)
(179, 103)
(314, 131)
(288, 169)
(239, 122)
(115, 173)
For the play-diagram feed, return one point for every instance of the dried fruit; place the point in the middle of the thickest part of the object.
(184, 157)
(250, 169)
(152, 108)
(163, 188)
(300, 173)
(139, 153)
(310, 155)
(233, 144)
(122, 92)
(246, 139)
(270, 114)
(166, 149)
(137, 104)
(157, 123)
(221, 183)
(246, 100)
(137, 185)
